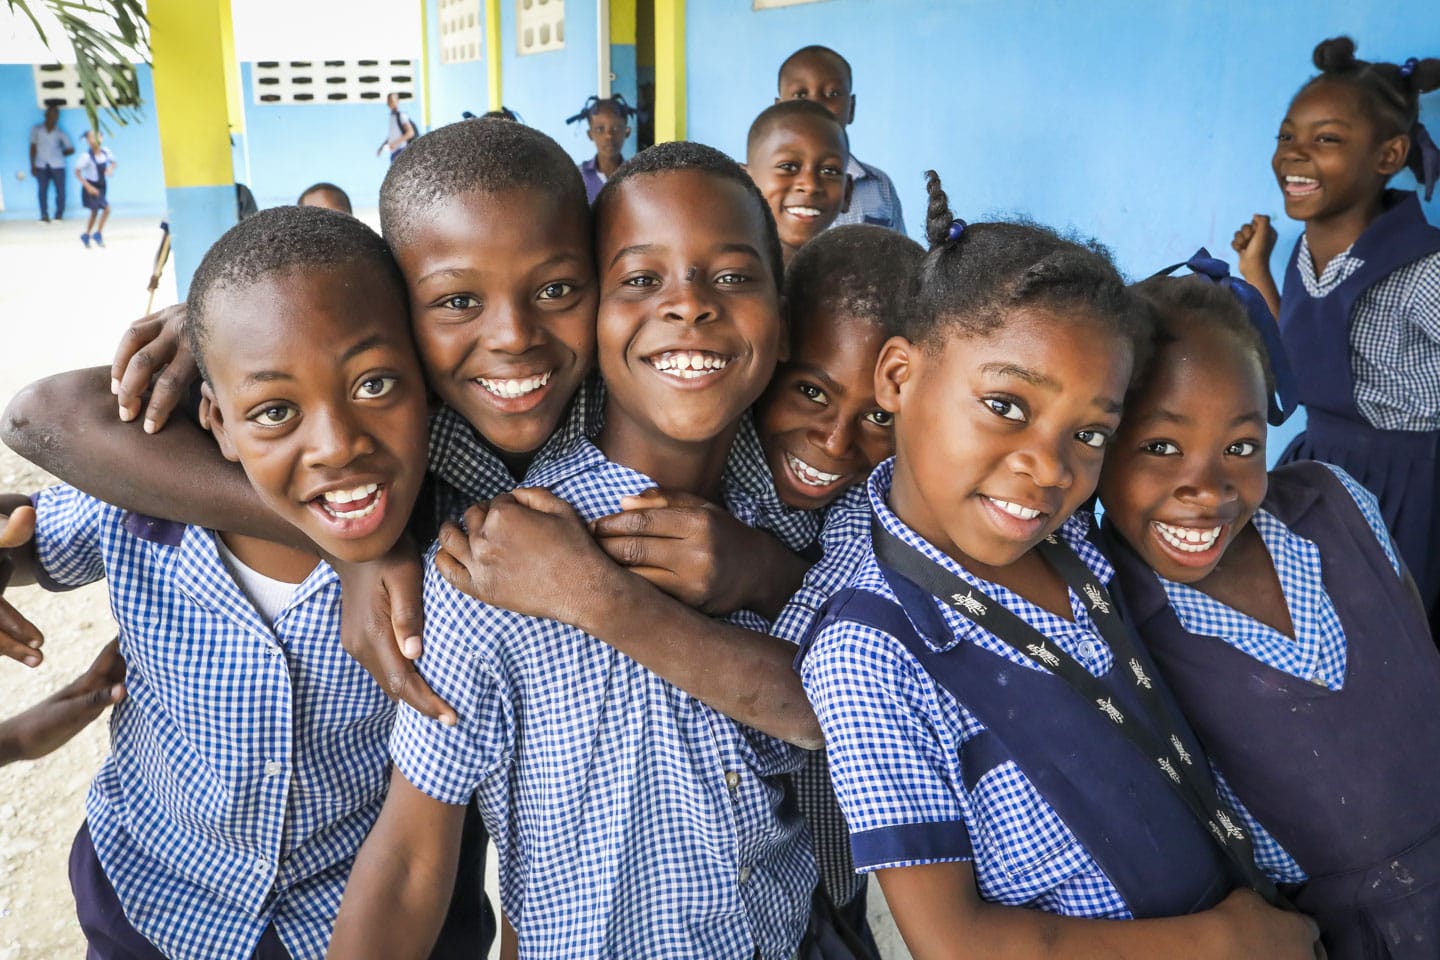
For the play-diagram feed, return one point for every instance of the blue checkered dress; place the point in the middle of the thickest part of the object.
(247, 762)
(631, 819)
(895, 739)
(873, 200)
(1316, 654)
(1394, 339)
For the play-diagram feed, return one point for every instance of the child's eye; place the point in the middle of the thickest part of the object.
(1092, 438)
(881, 418)
(1161, 448)
(460, 301)
(789, 166)
(1242, 448)
(273, 415)
(556, 291)
(732, 279)
(1008, 409)
(372, 388)
(831, 171)
(1283, 137)
(639, 282)
(812, 392)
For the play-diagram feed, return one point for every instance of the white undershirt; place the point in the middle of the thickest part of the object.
(268, 595)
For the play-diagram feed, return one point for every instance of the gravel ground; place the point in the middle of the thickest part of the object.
(64, 306)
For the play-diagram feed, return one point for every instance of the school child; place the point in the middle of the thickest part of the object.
(325, 195)
(820, 74)
(607, 125)
(659, 826)
(95, 166)
(1360, 311)
(796, 153)
(1281, 616)
(1006, 757)
(248, 760)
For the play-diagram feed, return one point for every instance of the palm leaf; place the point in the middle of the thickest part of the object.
(106, 36)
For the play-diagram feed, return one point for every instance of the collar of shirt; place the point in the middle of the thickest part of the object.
(1317, 653)
(1078, 637)
(1334, 274)
(857, 170)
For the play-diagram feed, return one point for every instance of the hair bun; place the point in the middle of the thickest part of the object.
(938, 217)
(1335, 54)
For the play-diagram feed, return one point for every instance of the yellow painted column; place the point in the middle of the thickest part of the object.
(196, 87)
(425, 64)
(669, 70)
(492, 53)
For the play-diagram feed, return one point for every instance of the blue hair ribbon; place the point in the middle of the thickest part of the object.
(1425, 163)
(1408, 67)
(1282, 403)
(957, 227)
(616, 100)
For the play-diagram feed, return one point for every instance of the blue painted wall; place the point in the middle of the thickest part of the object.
(1147, 125)
(454, 87)
(548, 87)
(138, 187)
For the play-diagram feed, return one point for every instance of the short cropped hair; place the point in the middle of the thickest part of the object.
(281, 238)
(324, 187)
(473, 156)
(860, 270)
(816, 48)
(778, 113)
(686, 155)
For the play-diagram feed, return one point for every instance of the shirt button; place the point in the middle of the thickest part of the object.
(262, 866)
(744, 874)
(1087, 650)
(732, 779)
(273, 768)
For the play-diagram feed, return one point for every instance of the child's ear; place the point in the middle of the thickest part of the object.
(849, 192)
(1393, 154)
(211, 416)
(893, 371)
(851, 118)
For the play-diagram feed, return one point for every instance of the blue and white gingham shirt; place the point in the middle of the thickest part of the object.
(1318, 651)
(631, 819)
(873, 199)
(1394, 339)
(247, 762)
(469, 469)
(895, 738)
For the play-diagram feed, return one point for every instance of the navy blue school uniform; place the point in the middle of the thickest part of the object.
(1364, 340)
(1331, 738)
(938, 753)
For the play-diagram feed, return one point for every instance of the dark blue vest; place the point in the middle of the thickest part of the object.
(1111, 796)
(1348, 781)
(1398, 466)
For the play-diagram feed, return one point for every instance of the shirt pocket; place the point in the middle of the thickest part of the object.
(1025, 848)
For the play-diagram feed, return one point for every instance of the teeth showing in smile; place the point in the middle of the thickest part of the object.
(1296, 184)
(1014, 509)
(688, 364)
(806, 213)
(1188, 539)
(509, 389)
(337, 500)
(808, 475)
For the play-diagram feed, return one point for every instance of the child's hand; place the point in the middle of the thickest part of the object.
(1257, 929)
(153, 356)
(53, 721)
(1255, 242)
(19, 638)
(382, 617)
(527, 551)
(691, 549)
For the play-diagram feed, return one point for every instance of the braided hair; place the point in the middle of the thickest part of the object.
(1389, 93)
(976, 275)
(595, 105)
(1178, 305)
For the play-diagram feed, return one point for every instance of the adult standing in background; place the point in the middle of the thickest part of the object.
(820, 74)
(49, 146)
(402, 128)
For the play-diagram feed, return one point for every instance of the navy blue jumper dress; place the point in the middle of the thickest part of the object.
(1348, 780)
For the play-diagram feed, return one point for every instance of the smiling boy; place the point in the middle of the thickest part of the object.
(248, 759)
(796, 153)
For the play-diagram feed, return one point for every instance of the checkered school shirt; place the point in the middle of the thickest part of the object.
(631, 819)
(873, 199)
(469, 470)
(247, 763)
(1316, 654)
(1394, 339)
(894, 738)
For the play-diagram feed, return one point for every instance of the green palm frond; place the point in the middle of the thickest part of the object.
(106, 35)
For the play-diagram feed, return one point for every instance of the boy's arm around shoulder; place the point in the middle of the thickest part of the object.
(66, 425)
(529, 552)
